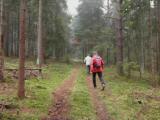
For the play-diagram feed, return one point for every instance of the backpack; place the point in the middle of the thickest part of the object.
(97, 62)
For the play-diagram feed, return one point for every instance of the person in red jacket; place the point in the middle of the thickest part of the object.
(97, 66)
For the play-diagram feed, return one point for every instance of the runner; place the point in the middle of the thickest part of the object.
(87, 61)
(97, 66)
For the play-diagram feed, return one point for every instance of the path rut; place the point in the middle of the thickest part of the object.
(61, 106)
(97, 102)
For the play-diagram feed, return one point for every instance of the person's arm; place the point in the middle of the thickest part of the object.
(91, 66)
(102, 64)
(84, 60)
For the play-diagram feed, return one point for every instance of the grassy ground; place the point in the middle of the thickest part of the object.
(125, 99)
(38, 93)
(82, 108)
(130, 99)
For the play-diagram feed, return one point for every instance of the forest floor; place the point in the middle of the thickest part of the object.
(67, 93)
(130, 99)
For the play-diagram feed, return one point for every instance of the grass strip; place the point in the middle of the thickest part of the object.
(82, 108)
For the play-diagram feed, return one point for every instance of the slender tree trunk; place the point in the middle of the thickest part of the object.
(108, 56)
(22, 37)
(40, 58)
(159, 40)
(142, 54)
(154, 52)
(5, 29)
(149, 38)
(1, 41)
(153, 59)
(120, 40)
(142, 46)
(108, 6)
(128, 54)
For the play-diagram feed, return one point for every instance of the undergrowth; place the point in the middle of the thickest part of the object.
(38, 94)
(130, 99)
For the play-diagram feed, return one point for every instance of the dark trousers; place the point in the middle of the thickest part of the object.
(100, 75)
(88, 69)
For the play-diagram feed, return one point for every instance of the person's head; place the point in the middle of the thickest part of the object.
(95, 53)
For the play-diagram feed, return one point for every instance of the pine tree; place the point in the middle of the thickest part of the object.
(1, 40)
(120, 38)
(22, 38)
(40, 58)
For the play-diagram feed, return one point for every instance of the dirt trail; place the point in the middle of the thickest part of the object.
(61, 106)
(98, 104)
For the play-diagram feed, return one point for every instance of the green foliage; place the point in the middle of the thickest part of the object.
(131, 66)
(101, 48)
(56, 27)
(136, 15)
(89, 24)
(67, 59)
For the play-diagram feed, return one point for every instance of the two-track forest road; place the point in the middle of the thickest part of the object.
(61, 105)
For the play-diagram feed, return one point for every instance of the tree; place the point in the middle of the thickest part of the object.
(91, 24)
(40, 58)
(158, 11)
(61, 22)
(22, 38)
(120, 39)
(1, 40)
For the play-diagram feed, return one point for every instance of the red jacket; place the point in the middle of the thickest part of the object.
(94, 69)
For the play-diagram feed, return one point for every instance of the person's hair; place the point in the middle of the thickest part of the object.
(95, 53)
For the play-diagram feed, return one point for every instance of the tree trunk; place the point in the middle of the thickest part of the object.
(108, 56)
(159, 40)
(149, 39)
(40, 58)
(142, 60)
(108, 5)
(120, 40)
(22, 37)
(128, 54)
(1, 41)
(153, 59)
(153, 55)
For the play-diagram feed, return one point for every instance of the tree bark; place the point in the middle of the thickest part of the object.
(142, 58)
(154, 50)
(1, 41)
(40, 58)
(22, 37)
(120, 40)
(149, 39)
(158, 39)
